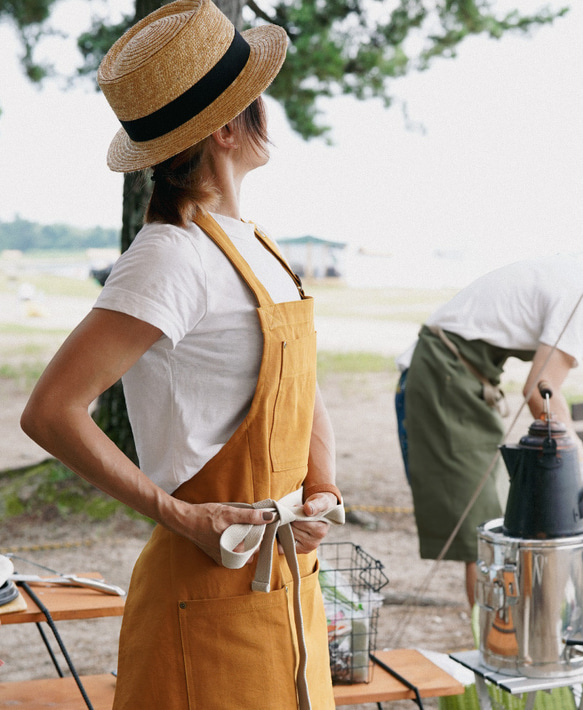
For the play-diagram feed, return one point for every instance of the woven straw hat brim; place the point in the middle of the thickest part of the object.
(268, 48)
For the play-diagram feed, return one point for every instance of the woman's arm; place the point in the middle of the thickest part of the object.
(96, 354)
(321, 470)
(322, 458)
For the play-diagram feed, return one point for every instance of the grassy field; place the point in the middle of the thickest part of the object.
(38, 271)
(395, 304)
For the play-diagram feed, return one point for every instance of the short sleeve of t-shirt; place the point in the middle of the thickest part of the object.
(563, 325)
(160, 280)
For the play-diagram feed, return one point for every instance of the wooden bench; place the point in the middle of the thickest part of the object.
(63, 693)
(430, 680)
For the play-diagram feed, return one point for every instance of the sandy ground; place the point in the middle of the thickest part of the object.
(425, 605)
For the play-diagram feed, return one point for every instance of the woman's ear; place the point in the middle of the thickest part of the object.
(225, 138)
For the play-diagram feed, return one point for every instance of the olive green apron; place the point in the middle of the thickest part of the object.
(452, 436)
(194, 636)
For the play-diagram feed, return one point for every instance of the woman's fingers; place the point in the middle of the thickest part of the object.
(319, 503)
(309, 535)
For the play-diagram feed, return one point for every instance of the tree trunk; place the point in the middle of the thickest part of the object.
(111, 413)
(233, 10)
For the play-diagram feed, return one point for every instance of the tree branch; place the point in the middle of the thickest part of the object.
(252, 5)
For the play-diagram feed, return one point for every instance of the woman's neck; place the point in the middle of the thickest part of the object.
(228, 179)
(228, 206)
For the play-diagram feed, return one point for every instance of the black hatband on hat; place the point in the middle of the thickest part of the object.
(193, 100)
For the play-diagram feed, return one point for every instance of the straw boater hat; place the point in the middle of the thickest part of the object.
(178, 75)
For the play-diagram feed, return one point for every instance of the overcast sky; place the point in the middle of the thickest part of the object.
(498, 170)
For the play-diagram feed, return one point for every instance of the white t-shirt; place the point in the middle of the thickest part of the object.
(519, 306)
(190, 391)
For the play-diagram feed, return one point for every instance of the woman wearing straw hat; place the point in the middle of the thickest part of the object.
(215, 341)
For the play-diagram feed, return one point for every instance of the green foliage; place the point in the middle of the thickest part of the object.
(94, 43)
(394, 304)
(26, 12)
(50, 488)
(48, 483)
(461, 18)
(353, 47)
(29, 236)
(353, 362)
(25, 374)
(29, 18)
(55, 285)
(357, 47)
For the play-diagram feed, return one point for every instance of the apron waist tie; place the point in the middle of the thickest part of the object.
(492, 394)
(262, 537)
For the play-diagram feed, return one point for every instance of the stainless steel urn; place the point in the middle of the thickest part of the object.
(530, 594)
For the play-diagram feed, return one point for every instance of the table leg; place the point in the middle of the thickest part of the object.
(483, 694)
(399, 677)
(49, 649)
(530, 698)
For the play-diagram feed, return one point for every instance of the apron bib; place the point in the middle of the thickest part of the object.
(194, 636)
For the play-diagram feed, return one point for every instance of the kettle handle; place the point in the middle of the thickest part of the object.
(546, 393)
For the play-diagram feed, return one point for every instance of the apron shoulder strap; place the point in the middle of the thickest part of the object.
(273, 248)
(215, 232)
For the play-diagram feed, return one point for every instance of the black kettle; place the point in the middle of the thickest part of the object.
(545, 497)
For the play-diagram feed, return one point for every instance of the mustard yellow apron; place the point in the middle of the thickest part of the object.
(194, 636)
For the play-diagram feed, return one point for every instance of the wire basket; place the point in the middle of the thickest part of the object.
(350, 580)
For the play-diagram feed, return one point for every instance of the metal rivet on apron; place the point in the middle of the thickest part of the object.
(182, 605)
(285, 343)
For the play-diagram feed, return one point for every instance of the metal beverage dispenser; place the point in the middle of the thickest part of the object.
(530, 564)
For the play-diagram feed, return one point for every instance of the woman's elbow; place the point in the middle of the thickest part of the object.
(28, 421)
(36, 420)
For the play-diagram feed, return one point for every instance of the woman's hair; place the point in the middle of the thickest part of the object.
(182, 186)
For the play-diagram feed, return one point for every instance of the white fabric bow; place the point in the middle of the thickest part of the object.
(261, 537)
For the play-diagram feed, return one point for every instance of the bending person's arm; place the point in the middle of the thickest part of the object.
(552, 367)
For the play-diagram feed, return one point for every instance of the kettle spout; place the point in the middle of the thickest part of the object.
(512, 455)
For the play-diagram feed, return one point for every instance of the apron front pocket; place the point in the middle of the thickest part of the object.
(238, 652)
(289, 443)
